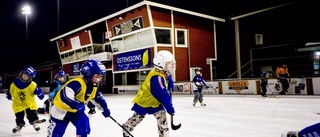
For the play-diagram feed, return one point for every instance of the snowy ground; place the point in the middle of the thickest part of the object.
(224, 116)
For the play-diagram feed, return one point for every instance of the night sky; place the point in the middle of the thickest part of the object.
(15, 53)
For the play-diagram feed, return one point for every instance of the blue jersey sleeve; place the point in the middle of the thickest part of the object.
(99, 99)
(203, 82)
(170, 83)
(159, 91)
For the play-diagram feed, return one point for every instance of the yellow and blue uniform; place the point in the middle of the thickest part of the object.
(153, 95)
(23, 101)
(152, 98)
(69, 104)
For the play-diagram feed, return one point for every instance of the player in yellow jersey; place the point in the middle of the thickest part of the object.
(22, 92)
(152, 97)
(70, 100)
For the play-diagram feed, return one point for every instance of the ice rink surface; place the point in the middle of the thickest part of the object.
(224, 116)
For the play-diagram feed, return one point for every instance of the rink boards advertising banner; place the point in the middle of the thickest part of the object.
(296, 86)
(243, 87)
(181, 88)
(128, 89)
(133, 60)
(213, 88)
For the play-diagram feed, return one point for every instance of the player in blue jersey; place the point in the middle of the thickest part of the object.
(59, 79)
(152, 97)
(199, 83)
(21, 93)
(69, 102)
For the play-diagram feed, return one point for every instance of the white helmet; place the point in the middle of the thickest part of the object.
(164, 60)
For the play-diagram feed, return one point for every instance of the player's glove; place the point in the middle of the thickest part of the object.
(106, 112)
(40, 96)
(170, 111)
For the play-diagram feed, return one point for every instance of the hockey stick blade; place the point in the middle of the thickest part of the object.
(174, 127)
(41, 121)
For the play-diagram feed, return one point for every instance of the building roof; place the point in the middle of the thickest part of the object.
(149, 3)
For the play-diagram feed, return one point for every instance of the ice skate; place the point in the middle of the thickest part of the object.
(193, 104)
(17, 129)
(36, 127)
(203, 104)
(125, 134)
(264, 95)
(92, 111)
(291, 134)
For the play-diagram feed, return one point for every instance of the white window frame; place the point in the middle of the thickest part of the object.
(185, 45)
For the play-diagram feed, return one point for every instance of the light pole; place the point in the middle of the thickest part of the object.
(26, 10)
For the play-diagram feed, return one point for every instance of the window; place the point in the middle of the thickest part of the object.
(120, 79)
(97, 49)
(259, 39)
(108, 48)
(142, 76)
(316, 62)
(131, 42)
(145, 38)
(90, 50)
(181, 37)
(163, 36)
(117, 45)
(72, 56)
(131, 78)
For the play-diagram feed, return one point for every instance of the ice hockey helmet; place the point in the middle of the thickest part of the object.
(198, 69)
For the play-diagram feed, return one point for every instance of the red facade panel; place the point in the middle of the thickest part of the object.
(65, 43)
(161, 17)
(201, 40)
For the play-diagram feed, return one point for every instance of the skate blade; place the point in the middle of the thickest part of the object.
(41, 121)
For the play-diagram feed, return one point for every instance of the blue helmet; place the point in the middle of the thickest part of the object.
(264, 73)
(59, 75)
(91, 67)
(30, 72)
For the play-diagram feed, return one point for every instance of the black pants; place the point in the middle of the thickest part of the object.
(264, 90)
(32, 116)
(285, 86)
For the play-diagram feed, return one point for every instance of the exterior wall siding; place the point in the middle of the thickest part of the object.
(65, 43)
(201, 40)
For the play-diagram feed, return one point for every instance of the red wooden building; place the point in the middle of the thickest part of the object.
(126, 41)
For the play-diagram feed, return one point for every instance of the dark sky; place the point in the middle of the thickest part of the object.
(42, 24)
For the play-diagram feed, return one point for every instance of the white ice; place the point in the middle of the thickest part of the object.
(224, 116)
